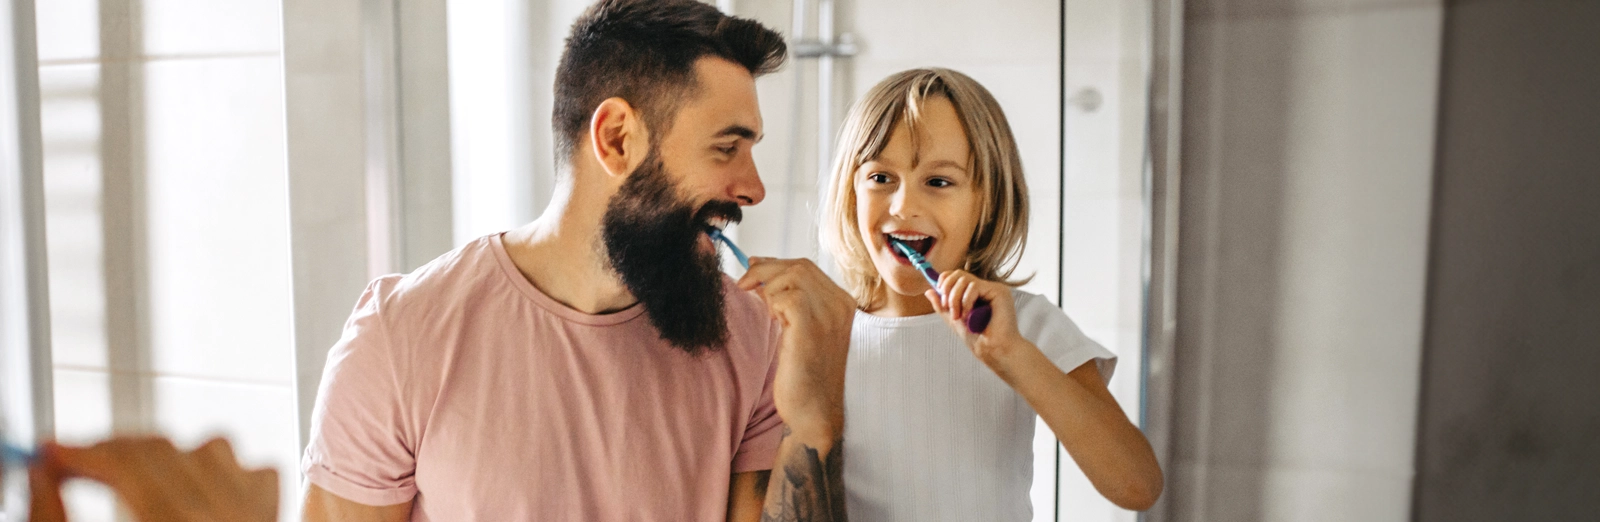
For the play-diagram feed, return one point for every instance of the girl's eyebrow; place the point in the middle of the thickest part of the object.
(947, 163)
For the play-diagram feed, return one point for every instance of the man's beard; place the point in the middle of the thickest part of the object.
(652, 239)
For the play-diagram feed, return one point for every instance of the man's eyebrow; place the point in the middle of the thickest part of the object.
(740, 131)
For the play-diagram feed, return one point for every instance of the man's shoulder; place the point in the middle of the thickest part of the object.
(747, 313)
(454, 276)
(742, 302)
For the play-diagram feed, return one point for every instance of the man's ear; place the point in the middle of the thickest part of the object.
(618, 137)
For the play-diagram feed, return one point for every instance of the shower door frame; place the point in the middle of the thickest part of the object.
(27, 410)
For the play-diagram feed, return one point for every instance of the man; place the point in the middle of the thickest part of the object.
(595, 364)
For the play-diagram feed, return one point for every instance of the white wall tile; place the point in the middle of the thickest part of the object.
(258, 420)
(83, 405)
(1093, 262)
(70, 128)
(83, 416)
(67, 30)
(218, 219)
(209, 27)
(89, 502)
(954, 31)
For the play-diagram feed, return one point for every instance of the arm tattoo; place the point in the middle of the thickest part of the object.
(762, 479)
(809, 488)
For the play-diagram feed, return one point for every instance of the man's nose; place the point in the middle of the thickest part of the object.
(746, 187)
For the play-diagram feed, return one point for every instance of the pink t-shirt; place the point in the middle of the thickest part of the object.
(463, 386)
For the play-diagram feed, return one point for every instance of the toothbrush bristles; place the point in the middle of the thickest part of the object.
(918, 262)
(716, 235)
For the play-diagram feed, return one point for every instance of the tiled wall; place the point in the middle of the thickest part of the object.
(1308, 138)
(167, 225)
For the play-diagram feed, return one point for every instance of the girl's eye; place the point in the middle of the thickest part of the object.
(878, 177)
(940, 183)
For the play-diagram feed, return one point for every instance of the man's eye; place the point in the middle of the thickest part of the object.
(729, 150)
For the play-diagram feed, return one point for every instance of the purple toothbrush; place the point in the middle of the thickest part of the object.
(977, 318)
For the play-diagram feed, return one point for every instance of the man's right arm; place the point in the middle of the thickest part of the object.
(322, 506)
(806, 483)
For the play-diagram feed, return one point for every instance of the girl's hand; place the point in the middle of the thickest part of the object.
(962, 290)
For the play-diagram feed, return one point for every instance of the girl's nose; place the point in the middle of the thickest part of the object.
(904, 204)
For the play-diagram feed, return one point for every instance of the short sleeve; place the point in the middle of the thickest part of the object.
(359, 447)
(759, 448)
(1058, 337)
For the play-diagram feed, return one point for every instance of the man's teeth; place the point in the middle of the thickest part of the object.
(718, 223)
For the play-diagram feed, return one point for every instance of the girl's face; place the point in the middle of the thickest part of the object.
(933, 206)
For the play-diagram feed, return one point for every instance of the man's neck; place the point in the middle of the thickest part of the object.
(559, 254)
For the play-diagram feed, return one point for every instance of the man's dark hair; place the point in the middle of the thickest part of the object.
(644, 51)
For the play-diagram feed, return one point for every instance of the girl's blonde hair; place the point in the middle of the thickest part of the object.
(996, 169)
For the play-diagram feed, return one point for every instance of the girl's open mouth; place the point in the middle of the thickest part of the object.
(918, 242)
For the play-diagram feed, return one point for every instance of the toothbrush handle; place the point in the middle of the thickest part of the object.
(978, 317)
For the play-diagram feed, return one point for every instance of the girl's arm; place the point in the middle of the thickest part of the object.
(1110, 450)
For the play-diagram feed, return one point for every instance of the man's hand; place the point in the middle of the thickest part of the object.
(156, 481)
(806, 482)
(816, 315)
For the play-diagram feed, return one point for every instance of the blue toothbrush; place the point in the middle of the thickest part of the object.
(716, 235)
(13, 454)
(977, 318)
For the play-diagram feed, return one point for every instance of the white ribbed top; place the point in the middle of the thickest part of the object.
(933, 434)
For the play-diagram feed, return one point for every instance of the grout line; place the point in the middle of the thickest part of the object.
(1295, 467)
(68, 61)
(159, 58)
(1307, 12)
(180, 376)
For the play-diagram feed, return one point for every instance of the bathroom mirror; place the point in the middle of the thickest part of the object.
(213, 187)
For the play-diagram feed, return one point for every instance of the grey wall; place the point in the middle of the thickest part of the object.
(1307, 165)
(1510, 416)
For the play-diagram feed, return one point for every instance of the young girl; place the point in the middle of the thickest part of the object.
(939, 422)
